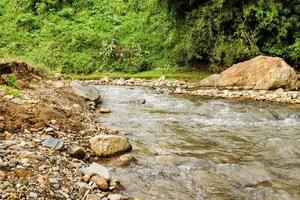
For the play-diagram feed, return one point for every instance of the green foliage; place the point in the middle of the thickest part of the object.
(28, 22)
(222, 32)
(91, 36)
(12, 81)
(124, 58)
(79, 36)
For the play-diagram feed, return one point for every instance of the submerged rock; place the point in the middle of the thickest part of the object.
(244, 174)
(125, 160)
(104, 110)
(88, 92)
(260, 73)
(137, 101)
(109, 145)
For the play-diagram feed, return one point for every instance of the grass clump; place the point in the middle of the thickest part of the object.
(10, 90)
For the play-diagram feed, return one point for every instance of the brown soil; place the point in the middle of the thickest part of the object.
(36, 116)
(20, 69)
(44, 103)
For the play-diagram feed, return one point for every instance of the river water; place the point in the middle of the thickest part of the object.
(191, 148)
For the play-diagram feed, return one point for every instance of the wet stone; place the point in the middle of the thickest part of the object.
(125, 160)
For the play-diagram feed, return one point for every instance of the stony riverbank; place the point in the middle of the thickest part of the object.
(194, 88)
(45, 145)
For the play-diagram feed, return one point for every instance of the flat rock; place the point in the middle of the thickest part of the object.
(109, 145)
(98, 169)
(53, 143)
(88, 92)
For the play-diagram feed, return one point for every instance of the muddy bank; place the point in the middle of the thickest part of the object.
(194, 88)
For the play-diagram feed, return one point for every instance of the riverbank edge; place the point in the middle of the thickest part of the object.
(193, 88)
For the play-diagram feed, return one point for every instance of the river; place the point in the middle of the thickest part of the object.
(189, 148)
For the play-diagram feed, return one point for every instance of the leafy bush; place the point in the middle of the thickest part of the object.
(124, 58)
(67, 13)
(28, 22)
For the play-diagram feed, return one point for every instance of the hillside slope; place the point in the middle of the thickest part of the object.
(78, 36)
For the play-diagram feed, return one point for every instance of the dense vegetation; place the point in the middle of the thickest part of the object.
(84, 36)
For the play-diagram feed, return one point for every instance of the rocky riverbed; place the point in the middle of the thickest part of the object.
(186, 87)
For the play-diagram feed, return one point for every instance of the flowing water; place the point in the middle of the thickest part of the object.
(191, 148)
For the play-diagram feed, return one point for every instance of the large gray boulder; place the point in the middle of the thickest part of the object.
(88, 92)
(260, 73)
(109, 145)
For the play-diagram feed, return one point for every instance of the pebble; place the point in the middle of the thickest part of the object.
(100, 182)
(77, 152)
(93, 197)
(33, 195)
(104, 110)
(2, 174)
(54, 182)
(83, 187)
(49, 129)
(115, 197)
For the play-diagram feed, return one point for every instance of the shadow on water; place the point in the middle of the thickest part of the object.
(191, 148)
